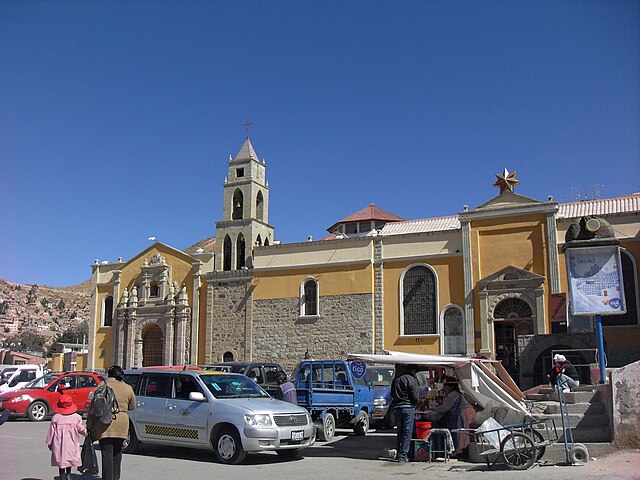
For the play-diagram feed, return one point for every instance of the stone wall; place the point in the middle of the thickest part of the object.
(345, 325)
(229, 315)
(625, 383)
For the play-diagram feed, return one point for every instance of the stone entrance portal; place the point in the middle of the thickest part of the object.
(511, 311)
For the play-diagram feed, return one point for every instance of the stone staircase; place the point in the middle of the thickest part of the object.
(589, 412)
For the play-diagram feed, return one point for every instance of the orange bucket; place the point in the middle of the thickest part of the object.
(422, 429)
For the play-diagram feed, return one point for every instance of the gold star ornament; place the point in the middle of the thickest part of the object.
(506, 181)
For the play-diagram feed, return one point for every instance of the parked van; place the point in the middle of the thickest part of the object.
(17, 376)
(220, 411)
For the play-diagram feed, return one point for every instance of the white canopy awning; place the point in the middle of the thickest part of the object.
(476, 383)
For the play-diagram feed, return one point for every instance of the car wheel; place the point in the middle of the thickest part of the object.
(288, 454)
(228, 447)
(131, 443)
(361, 427)
(37, 411)
(328, 429)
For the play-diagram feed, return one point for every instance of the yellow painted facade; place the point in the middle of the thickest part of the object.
(520, 242)
(448, 271)
(334, 280)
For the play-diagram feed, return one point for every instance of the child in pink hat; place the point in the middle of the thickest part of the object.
(62, 438)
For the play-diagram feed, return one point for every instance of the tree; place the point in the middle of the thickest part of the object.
(28, 340)
(75, 334)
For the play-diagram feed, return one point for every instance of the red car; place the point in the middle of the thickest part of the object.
(37, 400)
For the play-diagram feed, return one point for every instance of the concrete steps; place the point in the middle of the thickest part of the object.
(588, 415)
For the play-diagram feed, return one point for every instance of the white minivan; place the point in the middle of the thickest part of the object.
(17, 376)
(225, 412)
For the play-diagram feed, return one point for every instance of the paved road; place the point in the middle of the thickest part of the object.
(24, 456)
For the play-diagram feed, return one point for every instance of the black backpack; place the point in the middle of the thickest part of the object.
(104, 404)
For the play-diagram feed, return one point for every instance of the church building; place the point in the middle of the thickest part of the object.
(489, 281)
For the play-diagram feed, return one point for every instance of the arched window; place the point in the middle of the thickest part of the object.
(226, 253)
(511, 308)
(258, 241)
(418, 307)
(227, 357)
(309, 297)
(154, 289)
(453, 326)
(630, 282)
(238, 200)
(260, 207)
(107, 311)
(266, 242)
(240, 252)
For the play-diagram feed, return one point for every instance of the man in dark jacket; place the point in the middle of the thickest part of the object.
(405, 393)
(563, 373)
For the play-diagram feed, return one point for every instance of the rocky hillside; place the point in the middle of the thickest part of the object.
(47, 310)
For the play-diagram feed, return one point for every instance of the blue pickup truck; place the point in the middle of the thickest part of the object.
(334, 396)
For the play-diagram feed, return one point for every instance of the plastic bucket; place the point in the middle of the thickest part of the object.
(422, 429)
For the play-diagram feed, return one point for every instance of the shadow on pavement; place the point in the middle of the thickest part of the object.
(372, 446)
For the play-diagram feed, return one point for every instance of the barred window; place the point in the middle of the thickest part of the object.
(418, 289)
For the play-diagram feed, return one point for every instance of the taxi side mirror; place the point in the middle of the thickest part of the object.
(197, 397)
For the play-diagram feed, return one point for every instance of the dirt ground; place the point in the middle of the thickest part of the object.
(624, 464)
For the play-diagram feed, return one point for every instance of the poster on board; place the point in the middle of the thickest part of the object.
(595, 280)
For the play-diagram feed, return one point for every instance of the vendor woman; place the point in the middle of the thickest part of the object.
(453, 412)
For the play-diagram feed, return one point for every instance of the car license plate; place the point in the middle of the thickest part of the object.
(297, 435)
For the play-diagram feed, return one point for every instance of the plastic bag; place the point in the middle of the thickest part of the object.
(89, 458)
(496, 436)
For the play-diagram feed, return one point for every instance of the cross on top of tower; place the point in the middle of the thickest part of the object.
(247, 125)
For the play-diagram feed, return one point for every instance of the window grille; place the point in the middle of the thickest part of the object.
(419, 302)
(512, 308)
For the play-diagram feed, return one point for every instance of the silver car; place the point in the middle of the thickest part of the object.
(224, 412)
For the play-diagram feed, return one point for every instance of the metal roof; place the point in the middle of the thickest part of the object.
(604, 206)
(246, 151)
(371, 212)
(437, 224)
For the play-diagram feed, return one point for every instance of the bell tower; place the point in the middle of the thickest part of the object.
(245, 212)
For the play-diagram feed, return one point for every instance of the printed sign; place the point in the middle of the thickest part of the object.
(358, 368)
(558, 306)
(595, 281)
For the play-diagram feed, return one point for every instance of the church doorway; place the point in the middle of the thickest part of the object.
(152, 346)
(512, 328)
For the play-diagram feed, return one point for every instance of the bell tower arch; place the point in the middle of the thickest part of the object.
(245, 212)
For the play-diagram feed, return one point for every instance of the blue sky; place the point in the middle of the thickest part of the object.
(118, 117)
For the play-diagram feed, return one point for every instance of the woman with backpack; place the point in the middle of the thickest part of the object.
(111, 436)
